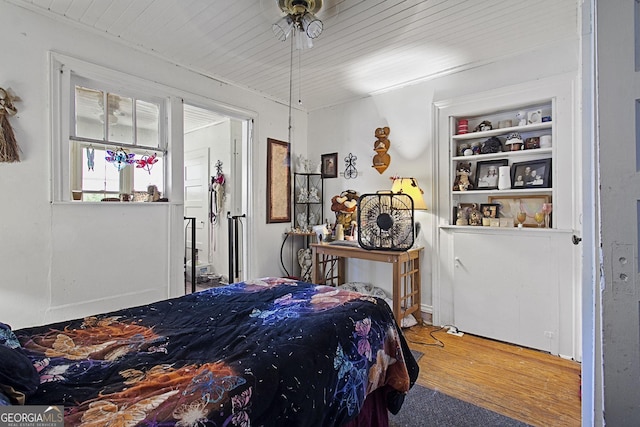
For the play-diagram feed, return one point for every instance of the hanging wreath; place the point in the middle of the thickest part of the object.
(9, 151)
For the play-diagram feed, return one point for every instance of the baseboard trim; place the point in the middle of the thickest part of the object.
(426, 313)
(101, 305)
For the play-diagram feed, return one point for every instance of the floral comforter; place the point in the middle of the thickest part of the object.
(268, 352)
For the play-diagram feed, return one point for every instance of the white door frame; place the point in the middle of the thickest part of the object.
(243, 203)
(617, 146)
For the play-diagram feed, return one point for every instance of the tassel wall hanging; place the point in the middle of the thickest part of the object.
(9, 151)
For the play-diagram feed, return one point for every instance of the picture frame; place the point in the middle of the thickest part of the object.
(466, 208)
(531, 174)
(278, 181)
(489, 210)
(487, 174)
(509, 207)
(329, 165)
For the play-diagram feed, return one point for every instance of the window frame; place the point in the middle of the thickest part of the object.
(65, 73)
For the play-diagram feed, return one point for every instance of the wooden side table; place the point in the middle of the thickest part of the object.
(329, 269)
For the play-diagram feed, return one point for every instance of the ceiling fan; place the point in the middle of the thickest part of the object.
(300, 21)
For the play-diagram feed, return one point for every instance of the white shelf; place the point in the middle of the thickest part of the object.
(502, 131)
(490, 230)
(538, 152)
(512, 192)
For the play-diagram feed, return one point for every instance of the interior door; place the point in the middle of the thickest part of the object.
(196, 200)
(618, 127)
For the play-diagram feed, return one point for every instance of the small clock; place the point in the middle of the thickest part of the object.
(534, 117)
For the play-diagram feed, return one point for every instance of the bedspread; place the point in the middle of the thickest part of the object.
(272, 352)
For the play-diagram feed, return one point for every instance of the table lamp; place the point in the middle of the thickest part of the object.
(410, 187)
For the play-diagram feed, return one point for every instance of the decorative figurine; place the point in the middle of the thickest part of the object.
(462, 182)
(491, 145)
(483, 126)
(475, 148)
(514, 141)
(345, 206)
(313, 195)
(475, 216)
(303, 195)
(305, 260)
(382, 159)
(461, 217)
(9, 151)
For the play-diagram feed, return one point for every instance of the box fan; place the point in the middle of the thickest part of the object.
(385, 221)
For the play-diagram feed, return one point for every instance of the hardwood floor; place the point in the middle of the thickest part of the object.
(528, 385)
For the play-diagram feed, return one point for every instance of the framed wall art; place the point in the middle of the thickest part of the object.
(522, 209)
(487, 174)
(278, 182)
(532, 174)
(329, 165)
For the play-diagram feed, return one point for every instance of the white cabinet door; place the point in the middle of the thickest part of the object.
(506, 287)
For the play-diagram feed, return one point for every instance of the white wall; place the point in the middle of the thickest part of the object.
(62, 260)
(36, 235)
(349, 128)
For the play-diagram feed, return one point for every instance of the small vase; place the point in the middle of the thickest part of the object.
(504, 178)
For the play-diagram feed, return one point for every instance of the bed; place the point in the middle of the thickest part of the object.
(267, 352)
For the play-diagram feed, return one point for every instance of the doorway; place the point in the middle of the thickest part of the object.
(215, 182)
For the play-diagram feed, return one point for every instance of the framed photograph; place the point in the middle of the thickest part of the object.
(466, 208)
(532, 174)
(489, 210)
(522, 209)
(278, 182)
(329, 165)
(487, 174)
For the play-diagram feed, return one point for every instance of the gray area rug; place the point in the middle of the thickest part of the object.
(424, 407)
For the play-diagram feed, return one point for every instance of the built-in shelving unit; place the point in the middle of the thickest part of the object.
(464, 139)
(514, 284)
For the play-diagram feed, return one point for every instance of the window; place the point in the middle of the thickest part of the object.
(116, 148)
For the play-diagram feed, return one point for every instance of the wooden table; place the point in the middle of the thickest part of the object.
(329, 269)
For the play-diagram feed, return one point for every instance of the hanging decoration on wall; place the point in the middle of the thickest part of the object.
(91, 153)
(217, 194)
(382, 159)
(350, 171)
(9, 151)
(147, 162)
(120, 158)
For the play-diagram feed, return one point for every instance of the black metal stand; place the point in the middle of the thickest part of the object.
(233, 223)
(194, 279)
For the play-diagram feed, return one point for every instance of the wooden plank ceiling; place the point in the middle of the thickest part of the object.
(366, 46)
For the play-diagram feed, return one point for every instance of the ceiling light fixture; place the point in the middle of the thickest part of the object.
(300, 16)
